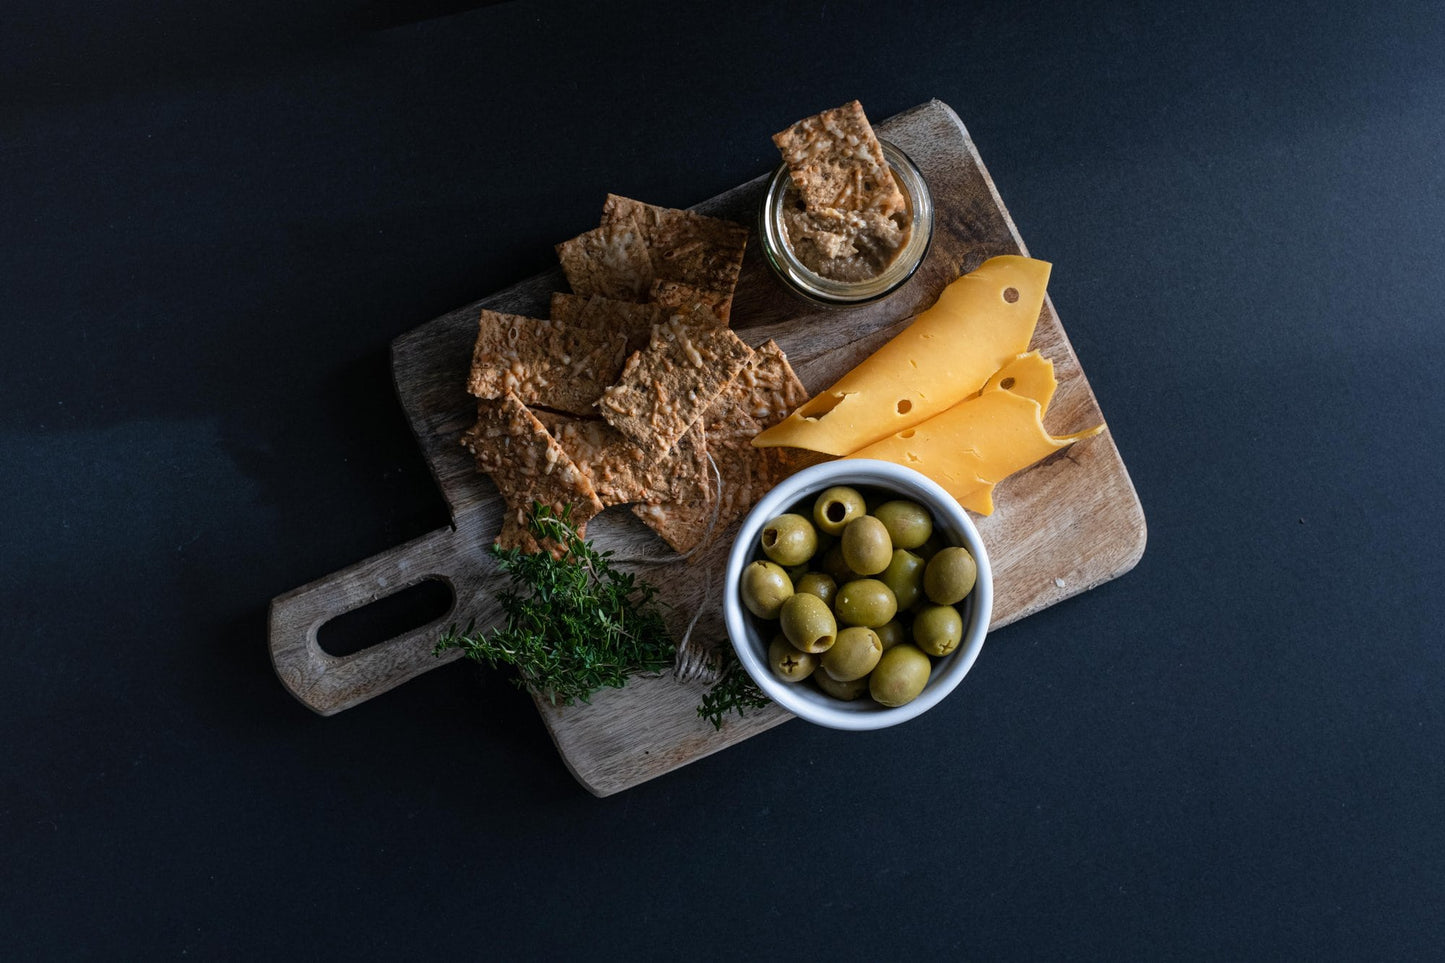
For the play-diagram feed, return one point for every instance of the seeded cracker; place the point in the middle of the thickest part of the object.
(544, 361)
(676, 294)
(702, 253)
(611, 260)
(620, 471)
(761, 395)
(837, 163)
(567, 308)
(666, 387)
(527, 465)
(634, 321)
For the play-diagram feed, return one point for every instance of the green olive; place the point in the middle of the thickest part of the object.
(808, 623)
(847, 691)
(937, 629)
(904, 575)
(788, 663)
(789, 539)
(832, 563)
(908, 522)
(891, 634)
(865, 601)
(867, 549)
(950, 576)
(854, 654)
(764, 588)
(836, 507)
(899, 677)
(820, 584)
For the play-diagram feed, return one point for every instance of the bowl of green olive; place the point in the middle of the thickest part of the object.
(858, 594)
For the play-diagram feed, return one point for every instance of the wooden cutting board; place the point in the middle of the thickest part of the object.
(1060, 528)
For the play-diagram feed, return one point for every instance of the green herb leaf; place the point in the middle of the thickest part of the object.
(734, 691)
(574, 624)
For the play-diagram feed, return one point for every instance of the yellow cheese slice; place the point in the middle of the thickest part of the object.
(979, 442)
(1030, 375)
(980, 322)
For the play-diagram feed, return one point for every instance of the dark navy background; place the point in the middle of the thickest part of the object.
(214, 219)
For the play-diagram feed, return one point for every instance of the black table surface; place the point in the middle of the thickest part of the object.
(215, 220)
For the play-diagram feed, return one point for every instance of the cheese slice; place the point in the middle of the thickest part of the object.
(979, 323)
(1030, 375)
(979, 442)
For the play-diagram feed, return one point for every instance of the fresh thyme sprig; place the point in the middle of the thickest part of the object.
(734, 691)
(574, 624)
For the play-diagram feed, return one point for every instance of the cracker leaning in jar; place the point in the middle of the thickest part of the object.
(844, 216)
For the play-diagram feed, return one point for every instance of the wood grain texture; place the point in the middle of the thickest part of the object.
(1064, 526)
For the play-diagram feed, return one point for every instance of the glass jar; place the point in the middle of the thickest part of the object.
(809, 285)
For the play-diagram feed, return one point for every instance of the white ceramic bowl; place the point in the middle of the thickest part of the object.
(750, 635)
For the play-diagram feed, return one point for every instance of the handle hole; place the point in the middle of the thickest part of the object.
(386, 618)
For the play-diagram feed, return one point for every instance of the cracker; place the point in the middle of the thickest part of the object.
(611, 260)
(527, 465)
(621, 472)
(567, 308)
(701, 252)
(544, 361)
(837, 162)
(762, 394)
(684, 526)
(676, 294)
(668, 385)
(634, 321)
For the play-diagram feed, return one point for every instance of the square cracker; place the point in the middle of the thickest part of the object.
(544, 361)
(676, 294)
(567, 308)
(620, 472)
(703, 253)
(634, 321)
(668, 385)
(527, 465)
(762, 394)
(837, 162)
(611, 260)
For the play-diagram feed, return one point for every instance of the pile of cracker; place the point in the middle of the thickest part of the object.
(634, 390)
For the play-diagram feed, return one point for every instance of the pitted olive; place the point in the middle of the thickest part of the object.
(854, 654)
(867, 549)
(904, 575)
(937, 629)
(836, 507)
(865, 601)
(950, 576)
(908, 522)
(789, 539)
(891, 634)
(900, 675)
(788, 663)
(808, 623)
(820, 584)
(764, 588)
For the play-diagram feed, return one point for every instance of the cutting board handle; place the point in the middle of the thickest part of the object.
(329, 683)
